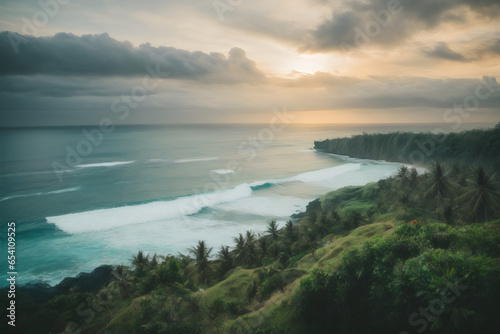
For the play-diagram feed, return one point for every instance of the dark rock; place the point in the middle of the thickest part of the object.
(87, 282)
(83, 282)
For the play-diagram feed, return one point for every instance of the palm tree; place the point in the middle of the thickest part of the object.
(413, 178)
(140, 262)
(403, 173)
(440, 186)
(273, 230)
(122, 283)
(408, 177)
(458, 175)
(154, 261)
(448, 214)
(202, 254)
(483, 193)
(249, 238)
(311, 240)
(240, 249)
(170, 271)
(226, 259)
(263, 246)
(251, 257)
(289, 232)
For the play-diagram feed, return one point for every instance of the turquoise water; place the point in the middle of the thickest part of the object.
(161, 189)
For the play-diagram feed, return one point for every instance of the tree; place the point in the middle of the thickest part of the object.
(122, 283)
(263, 246)
(275, 250)
(202, 254)
(240, 249)
(154, 261)
(440, 186)
(140, 262)
(289, 232)
(404, 176)
(251, 253)
(310, 237)
(448, 214)
(458, 175)
(483, 193)
(273, 230)
(170, 271)
(413, 177)
(226, 259)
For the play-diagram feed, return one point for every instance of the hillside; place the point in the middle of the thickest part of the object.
(410, 253)
(420, 148)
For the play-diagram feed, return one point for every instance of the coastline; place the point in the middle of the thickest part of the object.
(359, 237)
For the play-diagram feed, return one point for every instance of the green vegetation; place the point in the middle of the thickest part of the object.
(419, 269)
(415, 253)
(420, 148)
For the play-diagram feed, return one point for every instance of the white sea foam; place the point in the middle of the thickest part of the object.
(177, 235)
(42, 193)
(103, 219)
(319, 176)
(180, 161)
(223, 171)
(164, 237)
(35, 173)
(316, 176)
(282, 206)
(105, 164)
(238, 199)
(420, 170)
(64, 190)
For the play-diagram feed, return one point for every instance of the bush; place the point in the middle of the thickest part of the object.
(231, 307)
(377, 287)
(218, 305)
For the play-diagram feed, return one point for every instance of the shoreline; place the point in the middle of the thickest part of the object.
(294, 215)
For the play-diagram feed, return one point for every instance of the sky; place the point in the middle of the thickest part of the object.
(71, 62)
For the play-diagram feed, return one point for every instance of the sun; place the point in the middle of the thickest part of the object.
(309, 64)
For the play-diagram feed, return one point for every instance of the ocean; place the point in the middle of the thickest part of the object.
(82, 198)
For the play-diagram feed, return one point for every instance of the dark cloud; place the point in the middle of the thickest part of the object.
(56, 86)
(47, 102)
(412, 92)
(361, 23)
(443, 51)
(406, 93)
(493, 47)
(100, 55)
(339, 29)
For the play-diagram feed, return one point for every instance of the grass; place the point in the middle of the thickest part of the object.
(349, 194)
(329, 254)
(277, 313)
(124, 319)
(236, 288)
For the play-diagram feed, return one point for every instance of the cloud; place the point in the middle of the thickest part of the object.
(100, 55)
(443, 51)
(61, 87)
(492, 47)
(379, 93)
(318, 79)
(389, 22)
(86, 100)
(411, 92)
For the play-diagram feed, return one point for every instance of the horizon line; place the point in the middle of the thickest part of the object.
(265, 123)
